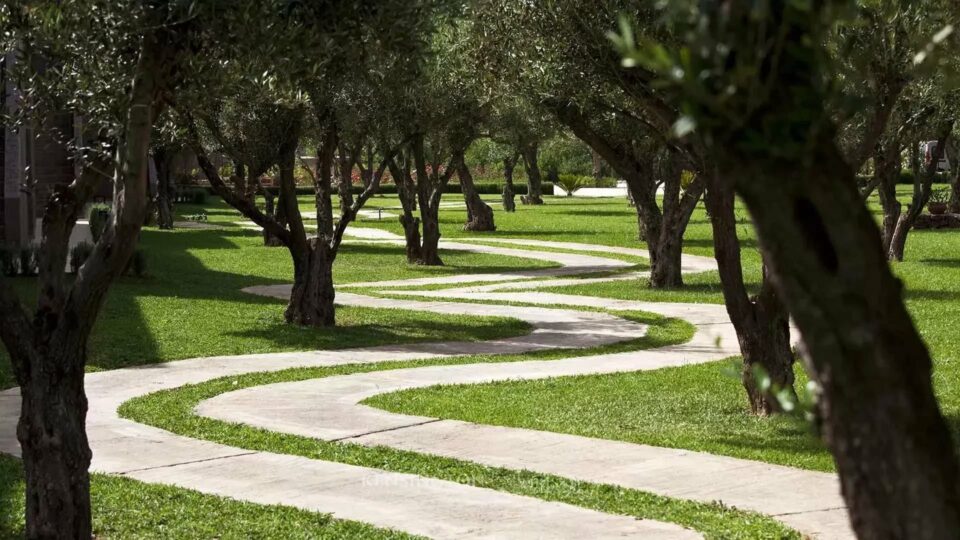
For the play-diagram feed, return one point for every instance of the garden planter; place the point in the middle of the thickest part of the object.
(937, 208)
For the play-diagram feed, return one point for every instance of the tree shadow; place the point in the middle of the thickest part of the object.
(942, 263)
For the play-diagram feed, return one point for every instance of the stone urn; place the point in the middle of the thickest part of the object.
(937, 208)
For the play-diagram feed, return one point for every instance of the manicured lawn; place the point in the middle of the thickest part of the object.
(173, 410)
(701, 407)
(125, 508)
(191, 305)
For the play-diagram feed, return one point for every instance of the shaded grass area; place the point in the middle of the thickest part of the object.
(125, 508)
(191, 303)
(172, 410)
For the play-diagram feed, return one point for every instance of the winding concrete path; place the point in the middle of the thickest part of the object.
(329, 409)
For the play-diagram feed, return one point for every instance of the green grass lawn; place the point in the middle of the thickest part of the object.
(125, 508)
(700, 407)
(191, 304)
(173, 410)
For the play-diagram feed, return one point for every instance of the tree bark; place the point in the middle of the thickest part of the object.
(509, 195)
(663, 230)
(166, 189)
(761, 322)
(56, 454)
(531, 156)
(479, 213)
(954, 157)
(312, 297)
(893, 449)
(429, 249)
(407, 194)
(887, 168)
(922, 186)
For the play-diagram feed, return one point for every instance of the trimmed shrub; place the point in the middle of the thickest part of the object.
(79, 255)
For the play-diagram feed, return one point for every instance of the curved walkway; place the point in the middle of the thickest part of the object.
(328, 408)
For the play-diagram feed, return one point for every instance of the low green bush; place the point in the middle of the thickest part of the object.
(572, 182)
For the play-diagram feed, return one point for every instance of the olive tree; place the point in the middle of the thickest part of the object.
(336, 60)
(754, 82)
(118, 64)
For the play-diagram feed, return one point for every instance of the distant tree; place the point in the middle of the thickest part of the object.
(319, 83)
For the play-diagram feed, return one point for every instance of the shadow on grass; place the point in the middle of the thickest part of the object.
(942, 263)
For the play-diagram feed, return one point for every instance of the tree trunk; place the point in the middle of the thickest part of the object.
(663, 230)
(922, 187)
(407, 194)
(166, 190)
(509, 200)
(311, 300)
(56, 454)
(880, 418)
(762, 322)
(887, 168)
(429, 250)
(597, 162)
(954, 157)
(531, 156)
(479, 213)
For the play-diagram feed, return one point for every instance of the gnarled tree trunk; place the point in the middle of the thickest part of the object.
(663, 230)
(56, 454)
(886, 169)
(166, 190)
(892, 447)
(922, 186)
(429, 249)
(47, 348)
(509, 194)
(407, 194)
(312, 296)
(479, 213)
(762, 322)
(531, 157)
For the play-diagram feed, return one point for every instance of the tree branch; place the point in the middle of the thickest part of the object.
(240, 203)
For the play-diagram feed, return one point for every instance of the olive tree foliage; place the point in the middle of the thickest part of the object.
(891, 93)
(339, 70)
(521, 128)
(117, 65)
(753, 83)
(557, 54)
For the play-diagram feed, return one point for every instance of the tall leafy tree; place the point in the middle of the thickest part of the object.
(118, 64)
(754, 81)
(333, 60)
